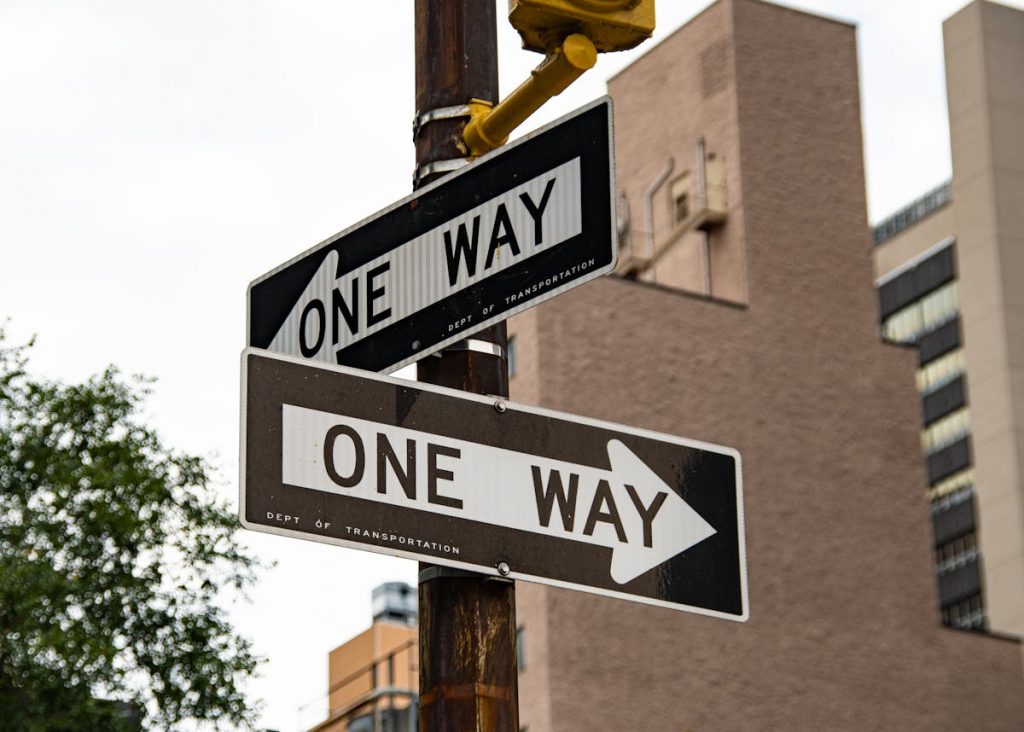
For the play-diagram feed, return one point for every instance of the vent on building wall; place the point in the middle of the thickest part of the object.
(697, 201)
(714, 68)
(681, 202)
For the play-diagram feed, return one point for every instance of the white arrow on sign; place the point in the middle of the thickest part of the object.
(628, 508)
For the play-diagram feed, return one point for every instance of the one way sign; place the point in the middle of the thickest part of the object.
(340, 456)
(518, 226)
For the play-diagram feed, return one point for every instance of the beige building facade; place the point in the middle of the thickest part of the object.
(744, 315)
(373, 678)
(950, 274)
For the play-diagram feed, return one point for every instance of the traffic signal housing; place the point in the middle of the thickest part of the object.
(612, 25)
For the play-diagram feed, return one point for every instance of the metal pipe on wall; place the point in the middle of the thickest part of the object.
(649, 194)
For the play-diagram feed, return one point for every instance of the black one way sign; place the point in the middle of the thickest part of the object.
(346, 457)
(516, 227)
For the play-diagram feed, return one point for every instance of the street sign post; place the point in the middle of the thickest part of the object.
(516, 227)
(345, 457)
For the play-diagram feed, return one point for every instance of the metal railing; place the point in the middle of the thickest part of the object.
(913, 212)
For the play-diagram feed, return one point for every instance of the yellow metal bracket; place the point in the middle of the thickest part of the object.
(489, 126)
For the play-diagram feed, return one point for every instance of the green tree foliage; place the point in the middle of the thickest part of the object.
(114, 552)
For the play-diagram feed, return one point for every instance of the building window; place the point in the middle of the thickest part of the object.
(957, 569)
(945, 431)
(681, 198)
(959, 481)
(967, 614)
(682, 208)
(940, 306)
(520, 648)
(957, 495)
(513, 360)
(921, 316)
(956, 553)
(941, 371)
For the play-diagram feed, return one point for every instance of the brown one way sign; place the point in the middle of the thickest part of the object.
(419, 471)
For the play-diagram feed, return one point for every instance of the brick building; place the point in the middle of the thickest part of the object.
(744, 315)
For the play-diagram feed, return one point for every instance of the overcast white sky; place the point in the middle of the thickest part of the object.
(155, 157)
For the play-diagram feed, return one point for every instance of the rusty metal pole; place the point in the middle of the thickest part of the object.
(467, 622)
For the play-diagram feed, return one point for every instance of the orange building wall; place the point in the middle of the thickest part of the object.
(351, 678)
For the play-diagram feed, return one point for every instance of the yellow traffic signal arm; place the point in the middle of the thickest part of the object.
(489, 127)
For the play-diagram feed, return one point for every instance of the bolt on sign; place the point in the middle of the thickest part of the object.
(516, 227)
(347, 457)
